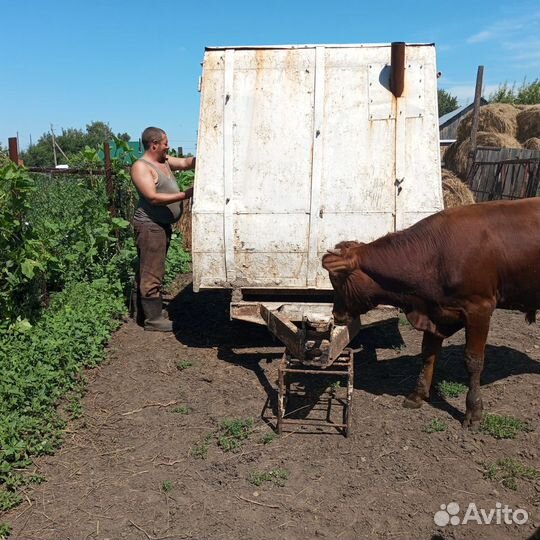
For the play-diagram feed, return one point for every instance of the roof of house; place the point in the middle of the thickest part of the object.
(448, 117)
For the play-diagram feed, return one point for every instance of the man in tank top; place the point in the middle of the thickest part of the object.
(159, 207)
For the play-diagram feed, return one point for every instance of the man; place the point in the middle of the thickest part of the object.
(158, 208)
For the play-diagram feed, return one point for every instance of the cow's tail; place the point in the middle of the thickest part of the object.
(530, 317)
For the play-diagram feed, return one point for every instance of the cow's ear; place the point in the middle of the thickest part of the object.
(422, 322)
(336, 263)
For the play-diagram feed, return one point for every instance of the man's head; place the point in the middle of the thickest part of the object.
(155, 141)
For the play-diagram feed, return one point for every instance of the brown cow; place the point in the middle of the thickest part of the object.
(448, 271)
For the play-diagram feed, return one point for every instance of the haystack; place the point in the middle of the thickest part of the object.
(455, 191)
(494, 118)
(184, 225)
(457, 159)
(528, 121)
(532, 144)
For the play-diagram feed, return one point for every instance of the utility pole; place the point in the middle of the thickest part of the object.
(30, 140)
(54, 146)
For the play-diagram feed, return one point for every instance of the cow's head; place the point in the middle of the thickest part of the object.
(353, 289)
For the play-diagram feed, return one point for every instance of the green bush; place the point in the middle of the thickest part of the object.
(23, 257)
(39, 366)
(59, 248)
(178, 261)
(72, 221)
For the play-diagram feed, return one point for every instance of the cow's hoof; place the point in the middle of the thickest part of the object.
(413, 402)
(471, 425)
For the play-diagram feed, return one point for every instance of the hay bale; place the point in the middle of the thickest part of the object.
(496, 140)
(184, 225)
(528, 121)
(449, 157)
(455, 191)
(493, 118)
(532, 144)
(460, 161)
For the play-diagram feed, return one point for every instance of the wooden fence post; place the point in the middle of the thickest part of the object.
(476, 116)
(109, 178)
(13, 150)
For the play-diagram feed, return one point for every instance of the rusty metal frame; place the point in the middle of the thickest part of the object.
(342, 366)
(296, 339)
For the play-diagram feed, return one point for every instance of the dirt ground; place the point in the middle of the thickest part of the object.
(127, 469)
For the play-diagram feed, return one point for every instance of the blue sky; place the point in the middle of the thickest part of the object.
(135, 63)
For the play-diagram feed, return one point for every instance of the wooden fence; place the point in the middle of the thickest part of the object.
(504, 173)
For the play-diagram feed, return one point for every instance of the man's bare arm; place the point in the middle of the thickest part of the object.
(181, 164)
(144, 181)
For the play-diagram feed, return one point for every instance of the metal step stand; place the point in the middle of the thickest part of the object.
(288, 367)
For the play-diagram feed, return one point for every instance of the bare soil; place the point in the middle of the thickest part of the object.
(126, 468)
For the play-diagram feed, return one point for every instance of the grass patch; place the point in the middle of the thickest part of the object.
(436, 426)
(503, 427)
(402, 320)
(508, 471)
(230, 435)
(74, 408)
(233, 432)
(167, 486)
(8, 499)
(276, 476)
(183, 364)
(200, 450)
(5, 530)
(182, 409)
(267, 438)
(451, 389)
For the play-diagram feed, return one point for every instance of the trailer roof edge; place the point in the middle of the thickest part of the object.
(313, 45)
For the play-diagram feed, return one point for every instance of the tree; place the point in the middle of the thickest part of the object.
(447, 102)
(503, 94)
(526, 94)
(124, 136)
(39, 154)
(4, 157)
(97, 133)
(529, 94)
(72, 141)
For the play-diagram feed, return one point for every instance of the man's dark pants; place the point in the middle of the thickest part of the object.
(152, 240)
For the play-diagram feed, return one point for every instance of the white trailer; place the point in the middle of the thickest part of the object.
(300, 147)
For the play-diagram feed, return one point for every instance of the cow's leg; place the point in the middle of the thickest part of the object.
(431, 346)
(476, 332)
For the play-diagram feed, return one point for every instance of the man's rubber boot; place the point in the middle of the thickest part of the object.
(154, 320)
(136, 311)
